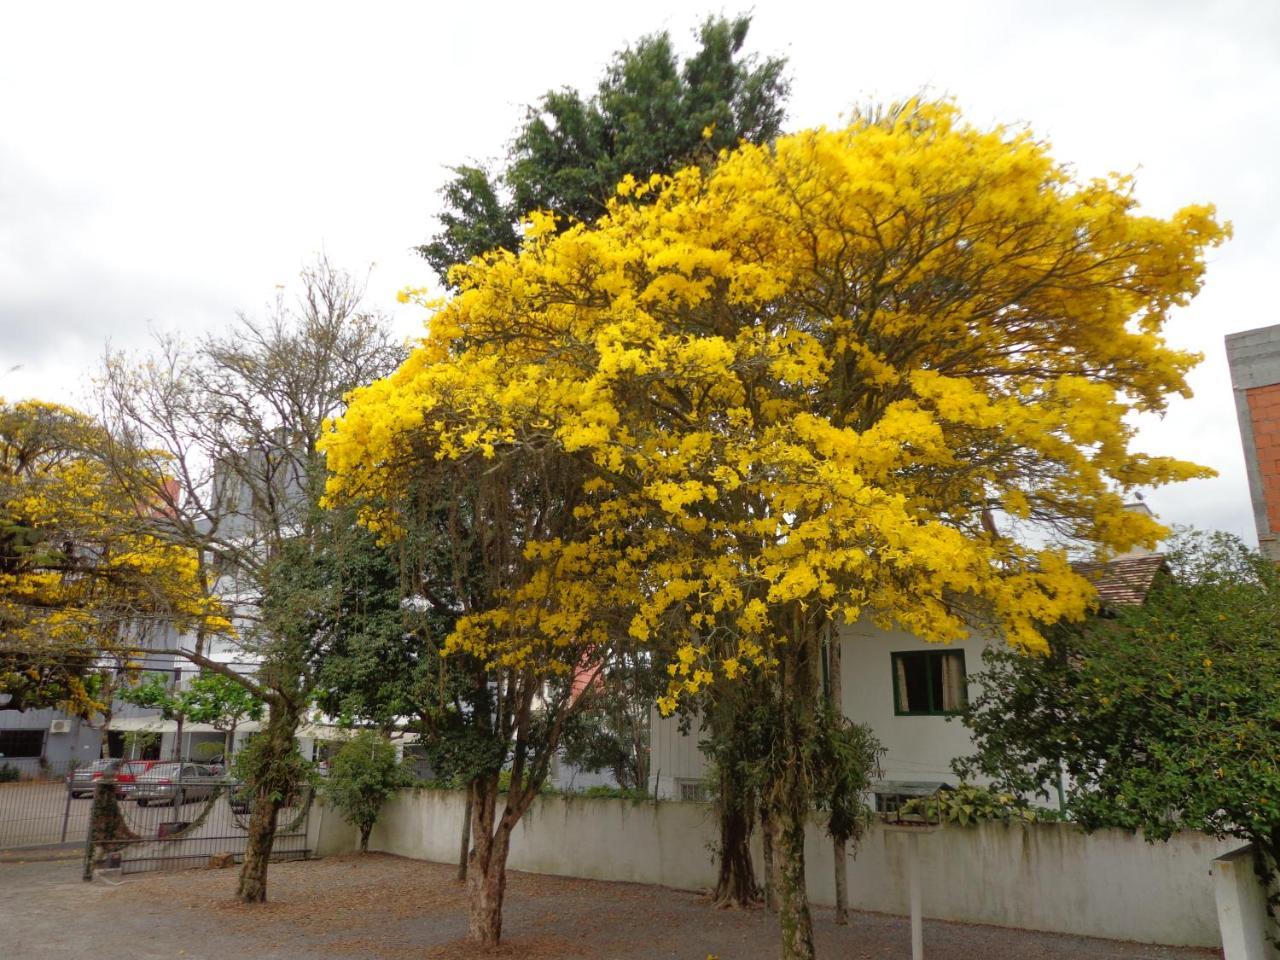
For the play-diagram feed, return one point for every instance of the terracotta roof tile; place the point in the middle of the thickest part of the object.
(1125, 581)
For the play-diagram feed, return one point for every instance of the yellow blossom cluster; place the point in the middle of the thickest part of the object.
(83, 571)
(797, 383)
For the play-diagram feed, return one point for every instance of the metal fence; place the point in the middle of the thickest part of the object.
(39, 809)
(198, 823)
(149, 824)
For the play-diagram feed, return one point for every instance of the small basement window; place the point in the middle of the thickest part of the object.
(693, 791)
(928, 683)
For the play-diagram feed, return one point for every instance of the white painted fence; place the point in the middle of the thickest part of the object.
(1049, 877)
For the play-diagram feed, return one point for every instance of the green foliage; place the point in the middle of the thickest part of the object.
(845, 757)
(206, 751)
(613, 793)
(647, 116)
(153, 691)
(8, 773)
(363, 773)
(138, 742)
(1164, 717)
(281, 772)
(613, 732)
(968, 804)
(219, 701)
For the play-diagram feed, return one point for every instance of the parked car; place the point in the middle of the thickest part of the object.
(130, 771)
(80, 781)
(173, 783)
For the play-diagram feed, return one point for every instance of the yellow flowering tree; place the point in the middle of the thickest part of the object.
(85, 582)
(797, 386)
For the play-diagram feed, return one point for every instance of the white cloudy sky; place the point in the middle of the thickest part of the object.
(169, 164)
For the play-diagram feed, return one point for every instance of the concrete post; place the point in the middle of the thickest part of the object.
(1242, 908)
(913, 884)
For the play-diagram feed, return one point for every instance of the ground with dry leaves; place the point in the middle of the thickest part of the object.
(377, 906)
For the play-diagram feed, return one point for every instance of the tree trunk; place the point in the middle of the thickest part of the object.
(364, 837)
(793, 903)
(107, 826)
(464, 852)
(770, 879)
(487, 870)
(268, 797)
(228, 741)
(839, 849)
(257, 854)
(736, 883)
(790, 798)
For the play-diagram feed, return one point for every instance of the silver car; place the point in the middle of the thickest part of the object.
(173, 783)
(80, 781)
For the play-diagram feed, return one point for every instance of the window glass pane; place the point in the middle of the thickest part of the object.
(21, 743)
(935, 681)
(952, 676)
(916, 669)
(929, 681)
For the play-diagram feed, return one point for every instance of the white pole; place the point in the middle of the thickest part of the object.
(913, 883)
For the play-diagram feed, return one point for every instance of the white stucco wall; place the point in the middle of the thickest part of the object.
(1050, 877)
(918, 747)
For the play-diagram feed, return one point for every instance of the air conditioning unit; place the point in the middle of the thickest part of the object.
(61, 725)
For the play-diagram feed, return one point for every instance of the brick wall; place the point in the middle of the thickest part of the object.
(1254, 359)
(1264, 416)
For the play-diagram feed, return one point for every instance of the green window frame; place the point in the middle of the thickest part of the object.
(936, 677)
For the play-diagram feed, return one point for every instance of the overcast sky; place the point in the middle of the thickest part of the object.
(167, 165)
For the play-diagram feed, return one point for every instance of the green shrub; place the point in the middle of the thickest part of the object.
(968, 804)
(613, 793)
(8, 773)
(362, 774)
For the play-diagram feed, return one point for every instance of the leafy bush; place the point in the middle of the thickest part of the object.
(207, 751)
(968, 804)
(613, 793)
(363, 773)
(8, 773)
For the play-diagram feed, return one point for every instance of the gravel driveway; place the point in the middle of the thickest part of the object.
(379, 906)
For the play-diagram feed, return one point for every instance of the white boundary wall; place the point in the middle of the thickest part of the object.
(1050, 877)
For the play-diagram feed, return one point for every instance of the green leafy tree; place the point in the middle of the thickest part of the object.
(651, 113)
(613, 733)
(1163, 717)
(226, 429)
(363, 774)
(844, 758)
(222, 703)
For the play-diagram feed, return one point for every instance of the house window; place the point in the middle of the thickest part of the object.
(693, 791)
(21, 743)
(928, 683)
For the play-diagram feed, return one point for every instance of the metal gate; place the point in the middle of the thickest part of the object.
(190, 822)
(156, 822)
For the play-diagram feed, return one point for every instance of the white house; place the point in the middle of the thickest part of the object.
(904, 688)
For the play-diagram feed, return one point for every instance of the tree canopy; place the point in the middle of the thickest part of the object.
(85, 576)
(651, 113)
(802, 377)
(788, 390)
